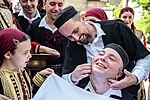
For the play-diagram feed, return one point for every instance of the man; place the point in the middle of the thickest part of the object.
(91, 38)
(44, 32)
(28, 14)
(109, 63)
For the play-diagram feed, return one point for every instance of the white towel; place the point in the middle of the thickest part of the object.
(56, 88)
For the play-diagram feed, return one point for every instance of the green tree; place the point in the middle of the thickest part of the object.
(144, 22)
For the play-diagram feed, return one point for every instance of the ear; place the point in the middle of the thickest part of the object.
(82, 18)
(120, 73)
(8, 55)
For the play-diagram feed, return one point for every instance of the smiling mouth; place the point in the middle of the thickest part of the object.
(101, 65)
(81, 38)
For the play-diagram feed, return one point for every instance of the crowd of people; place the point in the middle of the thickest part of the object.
(102, 56)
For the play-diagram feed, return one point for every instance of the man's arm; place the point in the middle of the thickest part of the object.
(138, 53)
(142, 68)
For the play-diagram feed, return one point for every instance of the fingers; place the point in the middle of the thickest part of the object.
(46, 72)
(127, 72)
(129, 80)
(114, 84)
(81, 72)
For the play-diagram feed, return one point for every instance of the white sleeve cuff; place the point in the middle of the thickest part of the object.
(68, 78)
(141, 69)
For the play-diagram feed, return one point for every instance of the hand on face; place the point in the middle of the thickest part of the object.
(80, 72)
(46, 72)
(129, 80)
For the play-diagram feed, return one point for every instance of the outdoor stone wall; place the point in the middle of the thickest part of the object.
(83, 5)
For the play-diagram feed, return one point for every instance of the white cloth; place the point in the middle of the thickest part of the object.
(56, 88)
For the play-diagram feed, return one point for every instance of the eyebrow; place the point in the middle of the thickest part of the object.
(109, 54)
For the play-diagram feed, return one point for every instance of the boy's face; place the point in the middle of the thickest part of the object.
(53, 7)
(22, 54)
(29, 6)
(106, 64)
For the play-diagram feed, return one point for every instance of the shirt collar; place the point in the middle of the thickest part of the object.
(99, 31)
(45, 25)
(21, 13)
(107, 93)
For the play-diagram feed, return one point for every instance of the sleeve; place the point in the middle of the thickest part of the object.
(35, 47)
(142, 68)
(136, 51)
(68, 78)
(68, 61)
(38, 80)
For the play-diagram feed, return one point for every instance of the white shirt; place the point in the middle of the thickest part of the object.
(21, 13)
(92, 49)
(45, 25)
(107, 93)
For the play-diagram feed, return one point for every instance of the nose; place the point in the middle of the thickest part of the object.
(29, 2)
(29, 56)
(128, 19)
(56, 7)
(103, 58)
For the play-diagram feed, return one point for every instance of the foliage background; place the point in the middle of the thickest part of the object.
(143, 23)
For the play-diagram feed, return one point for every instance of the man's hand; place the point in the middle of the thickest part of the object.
(129, 80)
(80, 72)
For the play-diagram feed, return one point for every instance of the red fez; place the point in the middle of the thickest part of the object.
(9, 38)
(126, 9)
(96, 12)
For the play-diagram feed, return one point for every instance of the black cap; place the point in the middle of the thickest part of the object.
(64, 16)
(121, 52)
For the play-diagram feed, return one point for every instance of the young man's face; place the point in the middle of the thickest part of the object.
(53, 7)
(106, 64)
(22, 54)
(29, 6)
(77, 31)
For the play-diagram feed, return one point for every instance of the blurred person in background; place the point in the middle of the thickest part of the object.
(127, 15)
(28, 13)
(95, 14)
(44, 32)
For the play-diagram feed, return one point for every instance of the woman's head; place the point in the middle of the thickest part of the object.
(95, 14)
(13, 43)
(127, 15)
